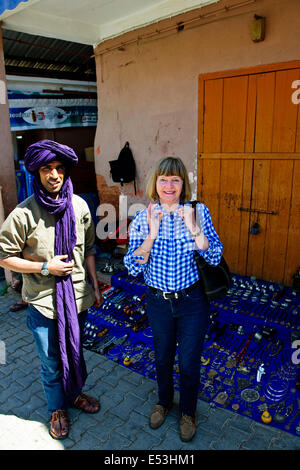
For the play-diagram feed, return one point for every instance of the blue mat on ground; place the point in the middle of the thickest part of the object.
(250, 362)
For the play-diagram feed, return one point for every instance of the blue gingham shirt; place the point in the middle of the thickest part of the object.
(171, 265)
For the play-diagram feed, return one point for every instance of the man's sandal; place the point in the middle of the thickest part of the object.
(59, 424)
(86, 403)
(18, 306)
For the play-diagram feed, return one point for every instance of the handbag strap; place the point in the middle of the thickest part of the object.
(194, 206)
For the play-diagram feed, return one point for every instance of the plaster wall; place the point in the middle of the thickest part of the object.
(148, 90)
(7, 169)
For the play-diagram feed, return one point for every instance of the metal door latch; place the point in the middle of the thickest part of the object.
(259, 211)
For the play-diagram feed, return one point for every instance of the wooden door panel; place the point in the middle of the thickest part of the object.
(276, 235)
(260, 190)
(285, 112)
(234, 113)
(225, 186)
(293, 241)
(245, 216)
(230, 218)
(213, 104)
(251, 114)
(249, 156)
(265, 85)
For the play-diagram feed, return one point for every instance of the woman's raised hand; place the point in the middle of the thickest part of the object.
(187, 214)
(154, 216)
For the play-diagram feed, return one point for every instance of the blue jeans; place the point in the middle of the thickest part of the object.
(44, 332)
(184, 321)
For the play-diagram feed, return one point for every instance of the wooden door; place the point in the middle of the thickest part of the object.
(248, 167)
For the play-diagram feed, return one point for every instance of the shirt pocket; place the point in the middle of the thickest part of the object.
(186, 246)
(40, 242)
(157, 249)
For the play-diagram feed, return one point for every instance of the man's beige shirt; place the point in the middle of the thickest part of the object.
(29, 232)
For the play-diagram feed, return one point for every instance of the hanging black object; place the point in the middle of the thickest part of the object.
(123, 169)
(215, 279)
(254, 229)
(296, 281)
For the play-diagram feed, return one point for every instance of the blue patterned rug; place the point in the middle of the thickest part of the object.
(250, 359)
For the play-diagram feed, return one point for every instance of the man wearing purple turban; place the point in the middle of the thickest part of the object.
(49, 238)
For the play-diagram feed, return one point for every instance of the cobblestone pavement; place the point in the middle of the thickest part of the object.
(126, 401)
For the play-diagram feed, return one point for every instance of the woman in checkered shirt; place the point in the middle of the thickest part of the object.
(163, 238)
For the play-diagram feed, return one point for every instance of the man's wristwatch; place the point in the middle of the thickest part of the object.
(45, 271)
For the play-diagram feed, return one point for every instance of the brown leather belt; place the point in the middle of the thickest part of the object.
(175, 295)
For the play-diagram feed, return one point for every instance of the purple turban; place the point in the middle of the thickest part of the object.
(73, 365)
(44, 151)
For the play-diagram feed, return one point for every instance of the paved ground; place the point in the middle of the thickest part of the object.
(126, 400)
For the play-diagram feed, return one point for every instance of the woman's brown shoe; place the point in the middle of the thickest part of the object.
(59, 424)
(187, 428)
(158, 416)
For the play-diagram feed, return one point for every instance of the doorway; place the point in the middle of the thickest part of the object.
(249, 167)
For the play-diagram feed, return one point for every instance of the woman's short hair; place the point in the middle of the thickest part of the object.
(169, 166)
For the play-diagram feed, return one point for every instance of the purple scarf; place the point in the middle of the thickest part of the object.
(73, 365)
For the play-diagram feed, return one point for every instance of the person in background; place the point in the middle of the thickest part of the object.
(162, 241)
(49, 238)
(16, 286)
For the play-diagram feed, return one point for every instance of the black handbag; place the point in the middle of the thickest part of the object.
(215, 279)
(123, 170)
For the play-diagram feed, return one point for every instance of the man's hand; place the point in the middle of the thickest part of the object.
(99, 299)
(57, 267)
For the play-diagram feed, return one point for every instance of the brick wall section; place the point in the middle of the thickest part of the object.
(108, 194)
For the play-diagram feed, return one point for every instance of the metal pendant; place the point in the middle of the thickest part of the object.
(250, 395)
(221, 398)
(230, 363)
